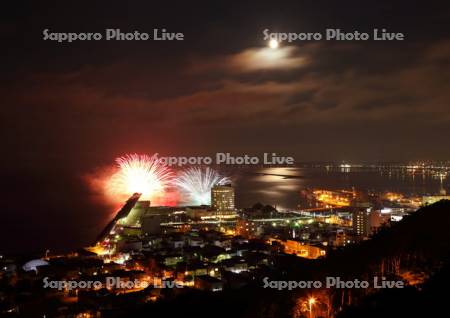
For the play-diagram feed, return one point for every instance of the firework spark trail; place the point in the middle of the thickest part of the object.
(141, 174)
(197, 183)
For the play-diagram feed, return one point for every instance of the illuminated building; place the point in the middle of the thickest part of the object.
(367, 222)
(360, 220)
(222, 198)
(204, 214)
(300, 249)
(341, 238)
(110, 230)
(134, 217)
(248, 228)
(197, 213)
(131, 224)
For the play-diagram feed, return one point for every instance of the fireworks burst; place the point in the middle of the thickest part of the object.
(141, 174)
(197, 184)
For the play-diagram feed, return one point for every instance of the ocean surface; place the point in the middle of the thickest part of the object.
(281, 186)
(63, 213)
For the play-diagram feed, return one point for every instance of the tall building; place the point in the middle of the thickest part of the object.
(366, 221)
(360, 219)
(222, 198)
(248, 228)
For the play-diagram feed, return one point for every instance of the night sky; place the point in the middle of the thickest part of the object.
(70, 108)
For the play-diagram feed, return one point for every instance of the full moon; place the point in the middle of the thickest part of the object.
(273, 44)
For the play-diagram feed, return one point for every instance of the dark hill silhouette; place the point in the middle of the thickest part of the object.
(420, 239)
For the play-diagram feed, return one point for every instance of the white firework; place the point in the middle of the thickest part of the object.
(142, 174)
(196, 183)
